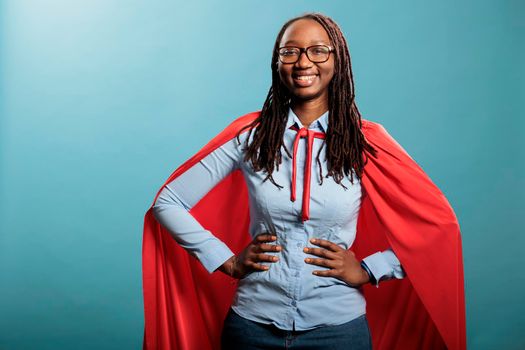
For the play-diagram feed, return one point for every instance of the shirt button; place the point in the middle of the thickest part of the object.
(294, 303)
(299, 244)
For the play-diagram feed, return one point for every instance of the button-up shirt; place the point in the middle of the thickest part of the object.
(287, 294)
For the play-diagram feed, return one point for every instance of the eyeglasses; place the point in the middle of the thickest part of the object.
(315, 53)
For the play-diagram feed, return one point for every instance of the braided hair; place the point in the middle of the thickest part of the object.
(344, 139)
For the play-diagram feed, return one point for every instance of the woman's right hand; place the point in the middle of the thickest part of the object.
(249, 259)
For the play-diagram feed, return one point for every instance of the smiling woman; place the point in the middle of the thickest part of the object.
(310, 240)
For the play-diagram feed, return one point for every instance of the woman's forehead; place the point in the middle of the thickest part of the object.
(305, 32)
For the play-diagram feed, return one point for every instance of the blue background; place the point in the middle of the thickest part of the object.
(101, 100)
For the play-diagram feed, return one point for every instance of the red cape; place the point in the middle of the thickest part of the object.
(401, 208)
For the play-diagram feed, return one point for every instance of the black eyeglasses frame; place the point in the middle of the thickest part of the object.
(305, 50)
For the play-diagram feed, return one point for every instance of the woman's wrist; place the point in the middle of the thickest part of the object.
(228, 267)
(233, 266)
(366, 272)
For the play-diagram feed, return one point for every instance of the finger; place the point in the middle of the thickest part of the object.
(264, 237)
(327, 244)
(320, 252)
(325, 273)
(266, 257)
(320, 262)
(257, 266)
(265, 247)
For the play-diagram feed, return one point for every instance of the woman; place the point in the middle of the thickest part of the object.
(298, 283)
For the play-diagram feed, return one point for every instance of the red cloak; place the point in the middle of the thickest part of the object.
(401, 208)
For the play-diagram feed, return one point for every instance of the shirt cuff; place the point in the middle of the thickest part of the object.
(214, 255)
(379, 267)
(395, 264)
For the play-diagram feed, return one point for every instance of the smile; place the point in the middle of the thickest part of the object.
(304, 80)
(306, 77)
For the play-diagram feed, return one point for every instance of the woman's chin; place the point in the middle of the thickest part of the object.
(305, 94)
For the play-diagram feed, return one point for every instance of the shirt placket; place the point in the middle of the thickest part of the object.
(299, 233)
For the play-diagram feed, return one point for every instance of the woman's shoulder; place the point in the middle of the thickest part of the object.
(373, 129)
(239, 122)
(227, 140)
(240, 126)
(368, 124)
(232, 128)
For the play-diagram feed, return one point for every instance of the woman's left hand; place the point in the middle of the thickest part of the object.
(342, 263)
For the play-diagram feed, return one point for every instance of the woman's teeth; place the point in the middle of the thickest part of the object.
(305, 77)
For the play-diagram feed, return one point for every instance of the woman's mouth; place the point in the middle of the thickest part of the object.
(304, 80)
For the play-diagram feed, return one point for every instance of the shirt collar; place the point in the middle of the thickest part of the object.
(320, 123)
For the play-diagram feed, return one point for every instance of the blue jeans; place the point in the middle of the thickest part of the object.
(242, 334)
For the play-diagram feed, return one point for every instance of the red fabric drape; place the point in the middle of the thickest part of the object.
(401, 208)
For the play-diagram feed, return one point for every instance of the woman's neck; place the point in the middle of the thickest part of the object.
(308, 111)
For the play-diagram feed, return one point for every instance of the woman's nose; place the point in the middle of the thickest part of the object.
(303, 61)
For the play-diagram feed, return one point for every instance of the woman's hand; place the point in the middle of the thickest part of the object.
(342, 263)
(249, 259)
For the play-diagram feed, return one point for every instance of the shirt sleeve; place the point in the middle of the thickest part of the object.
(171, 209)
(384, 266)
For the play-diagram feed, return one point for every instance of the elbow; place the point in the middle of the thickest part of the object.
(167, 200)
(160, 203)
(156, 209)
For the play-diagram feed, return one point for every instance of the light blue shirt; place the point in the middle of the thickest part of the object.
(288, 294)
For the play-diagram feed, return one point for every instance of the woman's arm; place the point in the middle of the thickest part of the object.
(171, 209)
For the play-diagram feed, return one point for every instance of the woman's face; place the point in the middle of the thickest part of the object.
(315, 76)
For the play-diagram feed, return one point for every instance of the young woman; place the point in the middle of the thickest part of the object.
(299, 284)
